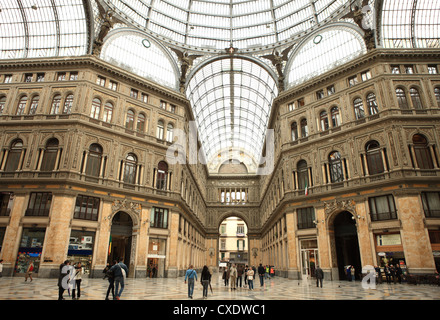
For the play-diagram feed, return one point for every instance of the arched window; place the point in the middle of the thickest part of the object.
(96, 108)
(304, 128)
(302, 175)
(50, 155)
(415, 98)
(140, 123)
(129, 120)
(161, 176)
(14, 156)
(94, 158)
(374, 158)
(2, 104)
(294, 131)
(335, 164)
(21, 107)
(436, 93)
(159, 131)
(68, 103)
(401, 98)
(34, 104)
(422, 152)
(56, 101)
(336, 117)
(372, 104)
(108, 112)
(170, 132)
(323, 119)
(130, 169)
(359, 110)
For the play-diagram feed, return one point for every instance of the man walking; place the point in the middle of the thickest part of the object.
(261, 272)
(120, 271)
(319, 276)
(190, 274)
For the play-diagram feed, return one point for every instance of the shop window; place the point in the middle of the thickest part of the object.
(86, 208)
(81, 249)
(382, 208)
(156, 258)
(39, 204)
(29, 251)
(159, 218)
(306, 216)
(431, 204)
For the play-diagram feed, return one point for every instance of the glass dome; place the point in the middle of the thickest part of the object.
(215, 24)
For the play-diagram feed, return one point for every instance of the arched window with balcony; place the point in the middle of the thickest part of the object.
(21, 106)
(34, 104)
(96, 108)
(130, 169)
(68, 103)
(161, 174)
(335, 166)
(170, 132)
(323, 120)
(56, 102)
(303, 175)
(14, 156)
(50, 158)
(93, 161)
(372, 104)
(294, 131)
(129, 120)
(336, 117)
(108, 112)
(359, 110)
(402, 100)
(415, 98)
(374, 158)
(304, 128)
(159, 130)
(140, 126)
(422, 152)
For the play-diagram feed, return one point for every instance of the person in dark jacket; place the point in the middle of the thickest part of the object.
(319, 274)
(62, 279)
(111, 280)
(120, 271)
(205, 280)
(261, 272)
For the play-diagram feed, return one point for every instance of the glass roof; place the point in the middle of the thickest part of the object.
(231, 100)
(411, 24)
(216, 23)
(42, 28)
(131, 50)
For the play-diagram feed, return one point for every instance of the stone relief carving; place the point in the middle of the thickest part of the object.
(342, 205)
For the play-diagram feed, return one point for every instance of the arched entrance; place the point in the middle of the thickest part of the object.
(233, 242)
(346, 244)
(121, 238)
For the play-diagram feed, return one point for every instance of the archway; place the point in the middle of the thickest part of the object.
(233, 243)
(347, 244)
(121, 238)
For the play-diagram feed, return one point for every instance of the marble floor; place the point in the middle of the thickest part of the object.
(15, 288)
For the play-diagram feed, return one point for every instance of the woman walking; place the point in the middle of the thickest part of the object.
(205, 280)
(250, 278)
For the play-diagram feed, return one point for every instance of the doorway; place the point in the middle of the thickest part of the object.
(309, 258)
(347, 244)
(121, 238)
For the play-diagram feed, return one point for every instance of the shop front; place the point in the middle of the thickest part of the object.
(389, 250)
(29, 251)
(309, 257)
(156, 258)
(81, 249)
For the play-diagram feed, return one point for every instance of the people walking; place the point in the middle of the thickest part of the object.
(267, 273)
(261, 272)
(240, 275)
(246, 269)
(205, 279)
(250, 278)
(111, 280)
(399, 273)
(191, 276)
(378, 274)
(120, 271)
(225, 276)
(233, 277)
(77, 277)
(387, 273)
(319, 274)
(29, 271)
